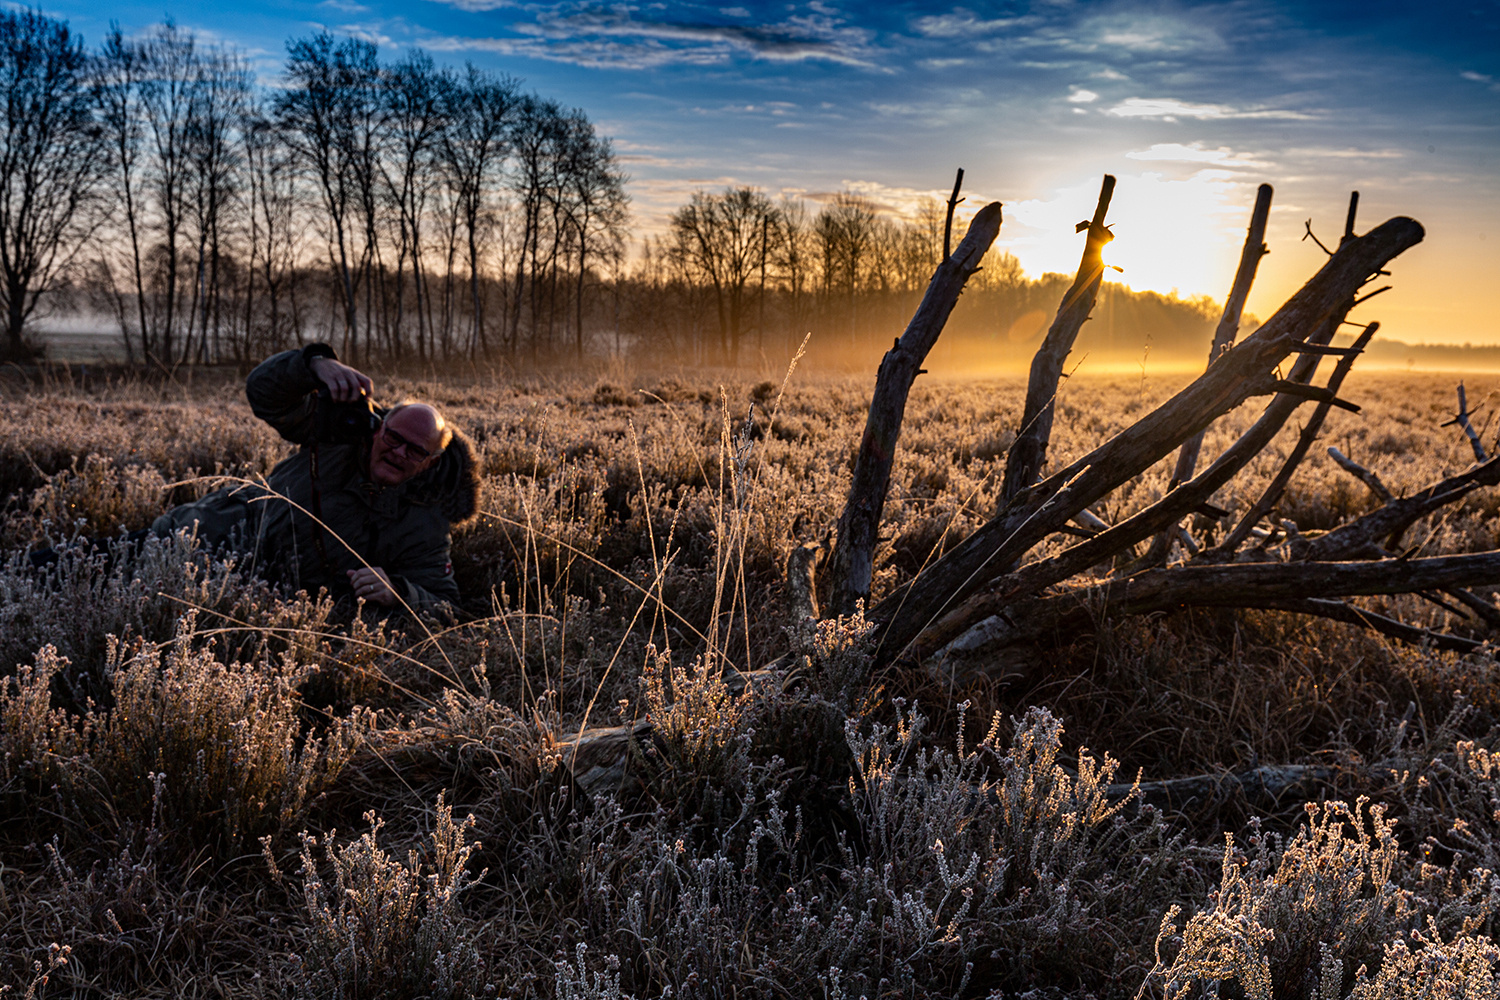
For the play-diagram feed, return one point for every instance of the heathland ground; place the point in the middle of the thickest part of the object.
(212, 788)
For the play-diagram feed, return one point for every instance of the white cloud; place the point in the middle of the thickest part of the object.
(963, 22)
(1349, 154)
(1142, 107)
(1176, 152)
(734, 12)
(1171, 109)
(1483, 78)
(941, 64)
(1081, 96)
(629, 37)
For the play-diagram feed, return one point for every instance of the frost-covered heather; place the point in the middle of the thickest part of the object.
(207, 785)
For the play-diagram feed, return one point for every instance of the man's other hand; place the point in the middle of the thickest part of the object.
(371, 583)
(345, 384)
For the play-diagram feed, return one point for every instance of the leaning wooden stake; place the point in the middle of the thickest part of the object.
(1224, 334)
(1028, 453)
(1040, 510)
(1229, 321)
(854, 549)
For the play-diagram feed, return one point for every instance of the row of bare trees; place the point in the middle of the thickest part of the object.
(399, 208)
(738, 273)
(389, 207)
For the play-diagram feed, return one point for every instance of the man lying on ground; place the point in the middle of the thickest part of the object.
(366, 505)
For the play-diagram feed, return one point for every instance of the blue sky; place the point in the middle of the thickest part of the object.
(1190, 104)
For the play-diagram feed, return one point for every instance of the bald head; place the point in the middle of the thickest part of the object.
(411, 438)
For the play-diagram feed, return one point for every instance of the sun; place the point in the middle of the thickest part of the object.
(1171, 236)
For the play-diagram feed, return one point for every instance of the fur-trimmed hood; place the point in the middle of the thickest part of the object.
(452, 484)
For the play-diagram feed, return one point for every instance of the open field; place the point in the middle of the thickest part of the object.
(210, 788)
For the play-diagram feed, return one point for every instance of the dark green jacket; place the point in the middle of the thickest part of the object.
(404, 530)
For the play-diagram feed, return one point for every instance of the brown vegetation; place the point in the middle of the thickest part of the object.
(758, 846)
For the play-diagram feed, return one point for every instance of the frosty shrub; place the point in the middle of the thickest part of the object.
(1461, 969)
(703, 728)
(576, 983)
(834, 654)
(137, 589)
(994, 854)
(94, 497)
(1330, 904)
(224, 742)
(381, 927)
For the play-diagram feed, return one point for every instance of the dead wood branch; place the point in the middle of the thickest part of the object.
(1040, 510)
(1224, 334)
(1229, 322)
(1486, 611)
(1359, 472)
(992, 619)
(953, 200)
(1462, 420)
(1028, 453)
(1272, 494)
(1376, 532)
(853, 553)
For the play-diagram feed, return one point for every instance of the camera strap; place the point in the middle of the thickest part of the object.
(317, 509)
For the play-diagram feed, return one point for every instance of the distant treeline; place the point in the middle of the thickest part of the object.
(399, 209)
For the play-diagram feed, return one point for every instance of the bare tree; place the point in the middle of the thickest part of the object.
(415, 106)
(846, 234)
(473, 150)
(50, 163)
(327, 115)
(597, 204)
(168, 96)
(534, 138)
(719, 238)
(215, 154)
(274, 236)
(119, 71)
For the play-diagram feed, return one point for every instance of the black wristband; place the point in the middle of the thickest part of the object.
(318, 350)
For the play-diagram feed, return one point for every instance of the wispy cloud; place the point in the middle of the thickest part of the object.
(1484, 78)
(1081, 96)
(964, 23)
(1348, 154)
(345, 6)
(1171, 109)
(1176, 152)
(1154, 34)
(630, 37)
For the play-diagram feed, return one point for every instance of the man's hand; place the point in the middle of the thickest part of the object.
(371, 583)
(344, 383)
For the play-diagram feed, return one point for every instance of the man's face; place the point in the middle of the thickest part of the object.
(406, 445)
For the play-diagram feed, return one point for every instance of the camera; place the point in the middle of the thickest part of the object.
(344, 423)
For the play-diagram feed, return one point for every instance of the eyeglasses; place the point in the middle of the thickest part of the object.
(397, 442)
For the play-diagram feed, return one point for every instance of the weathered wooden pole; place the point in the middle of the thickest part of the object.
(1229, 320)
(1028, 453)
(852, 562)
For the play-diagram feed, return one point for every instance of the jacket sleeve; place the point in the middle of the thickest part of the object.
(282, 391)
(424, 579)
